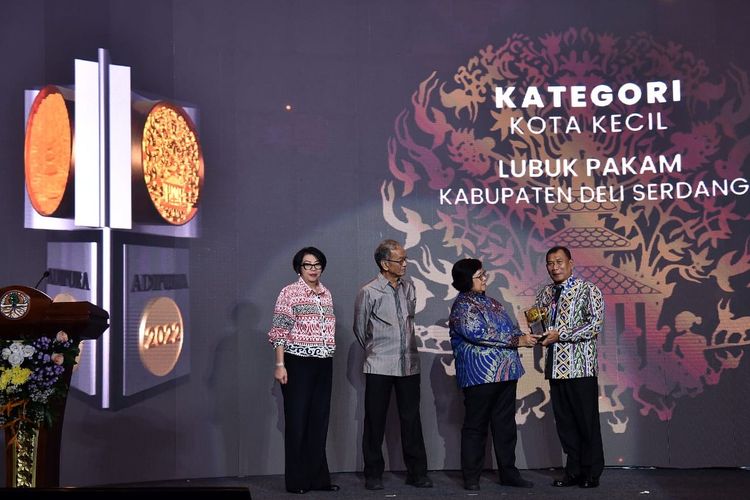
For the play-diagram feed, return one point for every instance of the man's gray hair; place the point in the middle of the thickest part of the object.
(384, 250)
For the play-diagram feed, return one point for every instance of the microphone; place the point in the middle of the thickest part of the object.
(44, 276)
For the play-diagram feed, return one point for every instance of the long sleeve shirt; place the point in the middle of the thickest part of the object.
(384, 327)
(303, 321)
(579, 318)
(484, 340)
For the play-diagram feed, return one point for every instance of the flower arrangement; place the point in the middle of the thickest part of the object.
(31, 379)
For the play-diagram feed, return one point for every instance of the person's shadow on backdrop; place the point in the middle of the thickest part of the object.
(538, 439)
(221, 372)
(449, 412)
(354, 360)
(234, 386)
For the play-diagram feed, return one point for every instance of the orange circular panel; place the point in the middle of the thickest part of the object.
(48, 151)
(172, 163)
(160, 335)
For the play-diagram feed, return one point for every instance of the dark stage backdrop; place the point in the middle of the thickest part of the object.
(395, 131)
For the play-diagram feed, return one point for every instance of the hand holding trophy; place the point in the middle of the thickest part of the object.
(536, 317)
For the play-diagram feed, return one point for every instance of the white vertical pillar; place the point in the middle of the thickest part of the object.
(87, 143)
(120, 210)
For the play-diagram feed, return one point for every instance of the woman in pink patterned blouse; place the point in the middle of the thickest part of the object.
(303, 339)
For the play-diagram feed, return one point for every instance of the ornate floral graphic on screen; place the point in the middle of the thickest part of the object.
(648, 190)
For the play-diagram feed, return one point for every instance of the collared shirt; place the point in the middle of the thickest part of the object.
(484, 340)
(388, 338)
(579, 318)
(303, 321)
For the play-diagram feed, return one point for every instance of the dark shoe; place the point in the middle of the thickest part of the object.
(373, 483)
(590, 483)
(517, 482)
(471, 486)
(299, 491)
(565, 482)
(419, 482)
(330, 487)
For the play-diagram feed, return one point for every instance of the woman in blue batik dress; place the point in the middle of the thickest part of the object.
(485, 345)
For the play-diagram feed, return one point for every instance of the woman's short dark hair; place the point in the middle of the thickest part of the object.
(297, 259)
(463, 272)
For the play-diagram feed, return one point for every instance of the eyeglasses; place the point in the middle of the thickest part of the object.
(481, 276)
(400, 262)
(307, 266)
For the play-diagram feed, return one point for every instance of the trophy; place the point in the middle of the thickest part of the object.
(537, 319)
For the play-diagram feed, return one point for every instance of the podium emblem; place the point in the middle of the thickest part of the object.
(14, 304)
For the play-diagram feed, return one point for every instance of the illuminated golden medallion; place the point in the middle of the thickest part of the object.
(14, 304)
(160, 335)
(48, 151)
(172, 163)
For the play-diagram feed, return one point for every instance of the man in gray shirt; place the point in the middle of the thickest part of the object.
(384, 326)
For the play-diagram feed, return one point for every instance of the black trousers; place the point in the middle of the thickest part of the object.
(377, 396)
(307, 406)
(575, 403)
(493, 404)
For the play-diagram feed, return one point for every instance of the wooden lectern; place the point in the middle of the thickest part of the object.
(27, 314)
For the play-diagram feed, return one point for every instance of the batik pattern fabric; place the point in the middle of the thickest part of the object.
(579, 319)
(303, 321)
(484, 340)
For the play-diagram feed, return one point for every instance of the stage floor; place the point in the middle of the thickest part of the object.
(616, 483)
